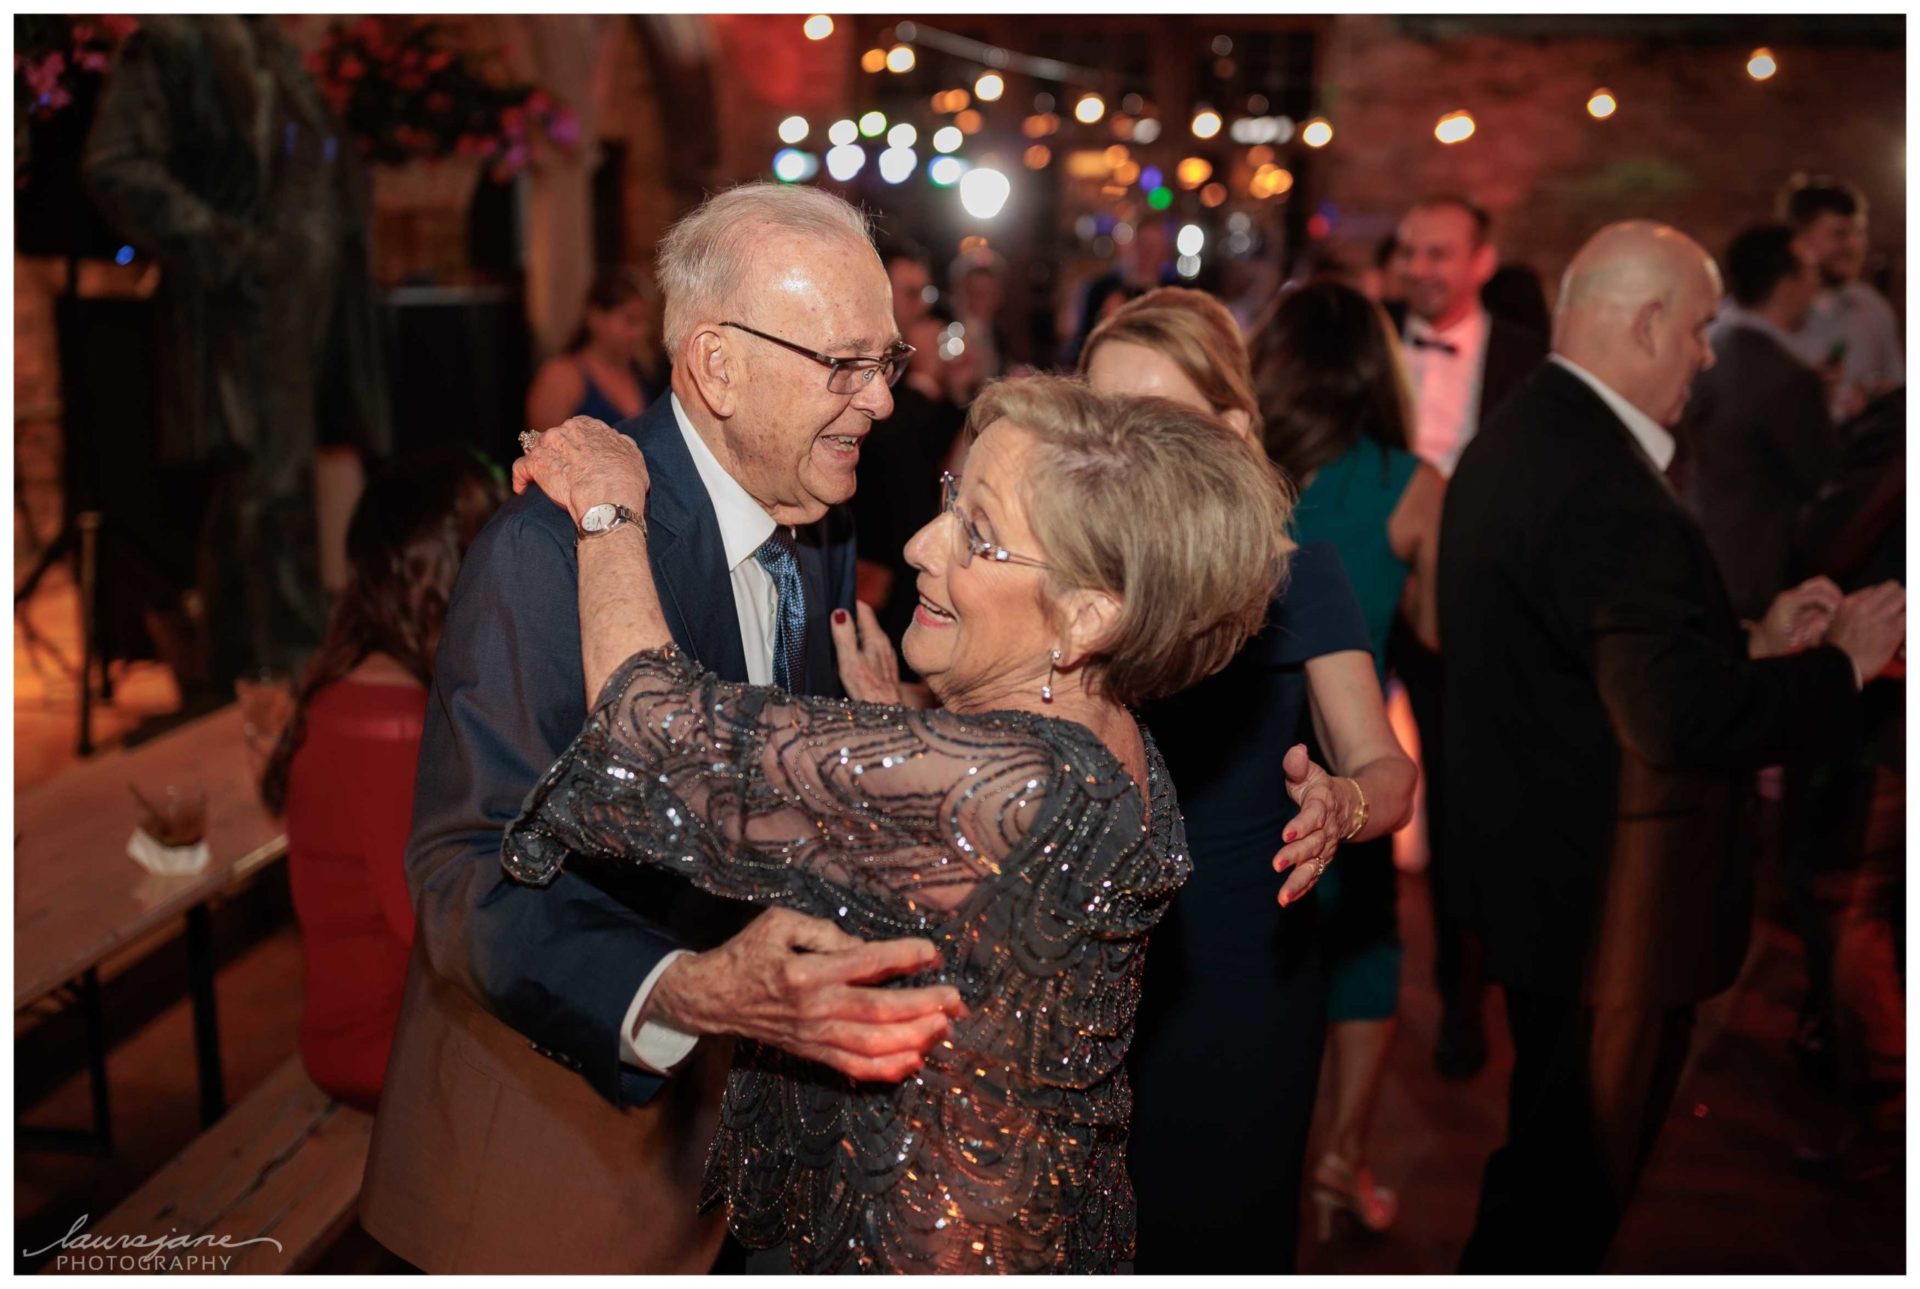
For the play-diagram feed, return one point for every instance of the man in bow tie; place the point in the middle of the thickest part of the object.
(1462, 362)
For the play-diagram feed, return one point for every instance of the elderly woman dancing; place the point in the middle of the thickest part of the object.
(1028, 830)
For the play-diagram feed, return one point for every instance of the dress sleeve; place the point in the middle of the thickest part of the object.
(1315, 612)
(752, 793)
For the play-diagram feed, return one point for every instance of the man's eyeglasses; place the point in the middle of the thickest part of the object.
(845, 375)
(972, 543)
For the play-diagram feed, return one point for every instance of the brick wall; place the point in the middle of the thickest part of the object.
(1696, 142)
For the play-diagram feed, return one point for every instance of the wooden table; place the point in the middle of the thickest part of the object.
(78, 896)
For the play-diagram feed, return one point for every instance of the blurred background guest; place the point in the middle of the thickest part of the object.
(1844, 818)
(1102, 298)
(910, 275)
(600, 374)
(1851, 334)
(269, 343)
(979, 296)
(1606, 713)
(1756, 442)
(1462, 362)
(1234, 995)
(343, 772)
(1333, 407)
(1515, 294)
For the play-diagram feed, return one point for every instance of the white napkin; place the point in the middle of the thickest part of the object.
(167, 861)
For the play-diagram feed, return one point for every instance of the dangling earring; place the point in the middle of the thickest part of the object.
(1046, 690)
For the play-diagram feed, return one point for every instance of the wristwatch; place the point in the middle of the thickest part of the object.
(604, 518)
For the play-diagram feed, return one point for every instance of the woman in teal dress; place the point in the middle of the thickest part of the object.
(1334, 410)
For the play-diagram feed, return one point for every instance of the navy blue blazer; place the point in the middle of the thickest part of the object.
(561, 964)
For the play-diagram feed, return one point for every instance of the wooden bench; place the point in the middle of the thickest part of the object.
(283, 1167)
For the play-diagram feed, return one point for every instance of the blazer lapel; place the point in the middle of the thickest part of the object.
(689, 559)
(821, 675)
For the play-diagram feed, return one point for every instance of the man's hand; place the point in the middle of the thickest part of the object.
(805, 985)
(869, 671)
(1796, 620)
(1871, 626)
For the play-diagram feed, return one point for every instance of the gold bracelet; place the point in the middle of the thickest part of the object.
(1360, 816)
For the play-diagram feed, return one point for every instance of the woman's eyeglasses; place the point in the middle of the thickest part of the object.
(972, 543)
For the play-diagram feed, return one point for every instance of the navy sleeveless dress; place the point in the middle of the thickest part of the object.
(1232, 1020)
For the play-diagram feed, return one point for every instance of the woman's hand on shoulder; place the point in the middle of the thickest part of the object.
(582, 463)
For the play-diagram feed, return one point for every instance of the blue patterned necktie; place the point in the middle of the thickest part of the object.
(776, 555)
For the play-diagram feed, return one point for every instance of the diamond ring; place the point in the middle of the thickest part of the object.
(528, 438)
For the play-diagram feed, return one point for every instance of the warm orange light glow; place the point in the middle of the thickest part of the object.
(1454, 127)
(1194, 171)
(1089, 109)
(969, 122)
(1127, 173)
(1761, 64)
(1270, 181)
(1213, 194)
(1602, 105)
(873, 60)
(1317, 133)
(1038, 156)
(1040, 125)
(1116, 155)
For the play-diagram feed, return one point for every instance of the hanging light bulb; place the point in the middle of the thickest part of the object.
(1206, 123)
(900, 59)
(989, 87)
(984, 192)
(1454, 127)
(1602, 105)
(1089, 109)
(818, 27)
(1317, 133)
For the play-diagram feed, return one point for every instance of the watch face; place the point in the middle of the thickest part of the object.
(598, 518)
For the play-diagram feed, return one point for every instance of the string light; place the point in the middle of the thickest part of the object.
(1040, 125)
(1160, 198)
(792, 166)
(1454, 127)
(1761, 64)
(946, 171)
(873, 60)
(1602, 105)
(989, 88)
(1270, 181)
(1038, 156)
(1193, 171)
(903, 136)
(947, 139)
(900, 59)
(1213, 194)
(1146, 130)
(844, 162)
(969, 121)
(1089, 109)
(984, 192)
(1317, 133)
(1117, 155)
(793, 129)
(873, 124)
(897, 164)
(818, 27)
(1206, 123)
(1127, 173)
(842, 132)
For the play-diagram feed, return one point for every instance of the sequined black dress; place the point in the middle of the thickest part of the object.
(1017, 843)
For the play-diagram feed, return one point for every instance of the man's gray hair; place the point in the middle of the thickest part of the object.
(703, 258)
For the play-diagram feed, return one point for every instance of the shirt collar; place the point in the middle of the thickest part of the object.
(744, 523)
(1652, 437)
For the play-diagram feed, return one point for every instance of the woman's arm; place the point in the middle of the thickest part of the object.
(1350, 719)
(1413, 532)
(579, 465)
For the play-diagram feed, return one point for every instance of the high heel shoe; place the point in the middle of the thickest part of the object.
(1339, 1185)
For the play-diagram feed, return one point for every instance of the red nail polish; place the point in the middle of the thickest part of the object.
(840, 616)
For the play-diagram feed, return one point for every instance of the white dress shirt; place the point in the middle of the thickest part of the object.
(744, 527)
(1654, 439)
(1446, 386)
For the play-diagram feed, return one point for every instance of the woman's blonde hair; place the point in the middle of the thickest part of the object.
(1194, 332)
(1177, 517)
